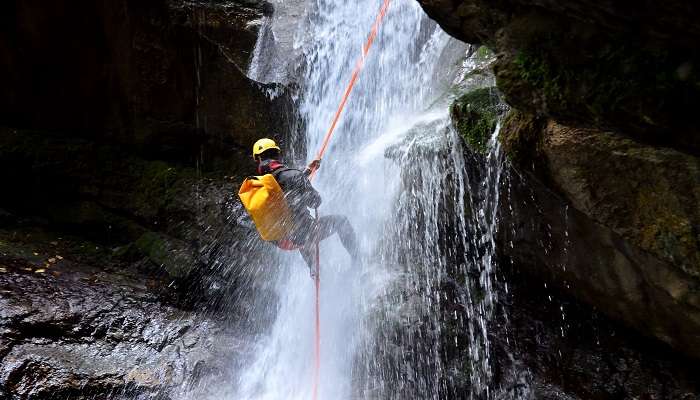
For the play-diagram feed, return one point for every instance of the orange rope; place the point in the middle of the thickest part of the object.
(324, 146)
(317, 340)
(353, 79)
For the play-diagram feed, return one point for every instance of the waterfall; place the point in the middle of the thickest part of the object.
(411, 321)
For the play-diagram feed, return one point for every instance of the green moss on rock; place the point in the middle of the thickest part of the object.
(666, 227)
(475, 115)
(522, 141)
(603, 83)
(484, 53)
(159, 185)
(628, 187)
(171, 254)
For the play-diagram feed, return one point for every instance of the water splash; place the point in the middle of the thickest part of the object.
(400, 326)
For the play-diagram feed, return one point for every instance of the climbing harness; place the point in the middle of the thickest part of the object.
(317, 280)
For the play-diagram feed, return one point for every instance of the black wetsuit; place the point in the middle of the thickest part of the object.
(301, 197)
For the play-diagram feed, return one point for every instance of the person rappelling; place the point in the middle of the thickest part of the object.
(279, 201)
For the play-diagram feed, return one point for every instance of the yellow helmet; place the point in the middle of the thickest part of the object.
(262, 145)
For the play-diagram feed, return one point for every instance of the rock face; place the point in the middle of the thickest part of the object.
(131, 122)
(126, 126)
(589, 63)
(82, 333)
(621, 217)
(162, 78)
(81, 320)
(546, 345)
(598, 264)
(656, 206)
(603, 200)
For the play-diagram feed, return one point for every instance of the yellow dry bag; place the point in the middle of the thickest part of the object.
(264, 199)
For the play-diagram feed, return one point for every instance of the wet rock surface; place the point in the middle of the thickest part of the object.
(661, 183)
(125, 132)
(75, 331)
(178, 219)
(592, 303)
(280, 40)
(543, 343)
(614, 220)
(475, 114)
(603, 149)
(165, 79)
(547, 345)
(131, 123)
(608, 65)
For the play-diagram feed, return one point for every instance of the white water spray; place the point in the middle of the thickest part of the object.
(395, 168)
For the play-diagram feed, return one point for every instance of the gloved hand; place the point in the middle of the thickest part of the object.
(315, 164)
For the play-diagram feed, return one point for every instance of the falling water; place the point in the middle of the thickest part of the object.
(410, 321)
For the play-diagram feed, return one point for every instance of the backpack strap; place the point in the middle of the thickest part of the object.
(279, 170)
(274, 173)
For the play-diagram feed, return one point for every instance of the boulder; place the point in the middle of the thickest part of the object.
(543, 236)
(646, 194)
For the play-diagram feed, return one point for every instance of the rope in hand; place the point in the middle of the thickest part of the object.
(317, 280)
